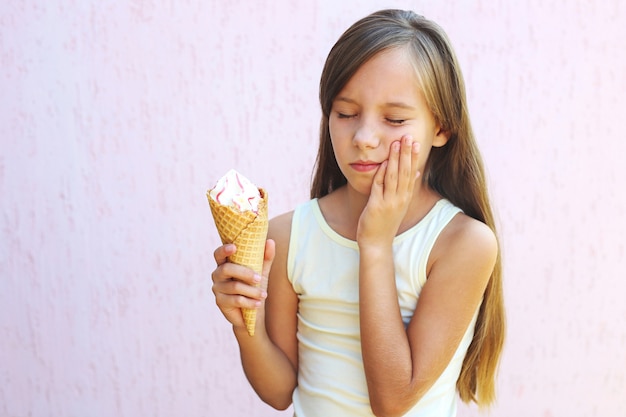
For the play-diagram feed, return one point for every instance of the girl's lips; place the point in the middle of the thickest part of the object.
(364, 166)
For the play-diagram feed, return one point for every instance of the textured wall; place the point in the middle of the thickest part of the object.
(116, 116)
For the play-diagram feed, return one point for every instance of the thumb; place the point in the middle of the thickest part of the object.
(378, 184)
(270, 251)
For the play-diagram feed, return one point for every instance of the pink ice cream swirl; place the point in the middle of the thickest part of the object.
(237, 191)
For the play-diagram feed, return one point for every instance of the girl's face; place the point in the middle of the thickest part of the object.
(381, 103)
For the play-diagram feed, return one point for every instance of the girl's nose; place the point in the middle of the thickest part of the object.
(366, 136)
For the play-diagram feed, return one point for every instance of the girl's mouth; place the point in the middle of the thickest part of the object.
(364, 166)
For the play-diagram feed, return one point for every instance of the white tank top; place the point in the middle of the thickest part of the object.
(323, 267)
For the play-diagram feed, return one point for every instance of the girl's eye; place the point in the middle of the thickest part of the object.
(396, 121)
(345, 116)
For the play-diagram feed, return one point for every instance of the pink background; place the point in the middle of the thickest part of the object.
(115, 117)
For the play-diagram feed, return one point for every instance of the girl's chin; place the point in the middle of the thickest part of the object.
(361, 188)
(360, 183)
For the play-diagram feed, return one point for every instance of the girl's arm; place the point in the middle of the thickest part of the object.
(269, 358)
(401, 365)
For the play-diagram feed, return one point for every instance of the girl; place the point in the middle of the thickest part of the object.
(384, 294)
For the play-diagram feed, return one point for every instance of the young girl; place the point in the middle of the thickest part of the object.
(384, 293)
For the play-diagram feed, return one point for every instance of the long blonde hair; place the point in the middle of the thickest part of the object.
(455, 170)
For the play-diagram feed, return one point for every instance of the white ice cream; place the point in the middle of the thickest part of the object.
(235, 190)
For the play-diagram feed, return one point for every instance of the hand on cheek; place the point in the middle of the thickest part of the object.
(391, 193)
(402, 165)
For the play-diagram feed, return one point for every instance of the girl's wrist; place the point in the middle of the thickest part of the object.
(374, 249)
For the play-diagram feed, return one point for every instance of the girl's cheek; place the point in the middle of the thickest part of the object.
(341, 131)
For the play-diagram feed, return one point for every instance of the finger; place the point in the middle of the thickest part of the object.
(391, 175)
(406, 168)
(378, 185)
(228, 302)
(415, 154)
(230, 271)
(239, 292)
(222, 253)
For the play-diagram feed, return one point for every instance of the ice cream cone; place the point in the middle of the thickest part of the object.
(248, 231)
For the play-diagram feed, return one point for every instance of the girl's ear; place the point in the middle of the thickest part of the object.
(441, 137)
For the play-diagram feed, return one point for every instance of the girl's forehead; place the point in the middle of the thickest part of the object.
(390, 70)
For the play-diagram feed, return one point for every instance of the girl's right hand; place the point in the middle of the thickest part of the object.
(236, 286)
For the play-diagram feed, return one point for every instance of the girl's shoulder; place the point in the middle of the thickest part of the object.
(466, 241)
(280, 228)
(280, 232)
(463, 225)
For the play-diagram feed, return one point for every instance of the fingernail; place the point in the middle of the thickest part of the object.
(257, 278)
(416, 147)
(264, 294)
(396, 146)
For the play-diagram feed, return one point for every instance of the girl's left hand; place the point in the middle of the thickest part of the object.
(391, 193)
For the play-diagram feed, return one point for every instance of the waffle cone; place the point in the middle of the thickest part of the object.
(248, 231)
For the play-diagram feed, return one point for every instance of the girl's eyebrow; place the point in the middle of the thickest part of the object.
(345, 100)
(398, 104)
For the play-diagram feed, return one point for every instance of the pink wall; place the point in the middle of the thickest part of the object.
(114, 119)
